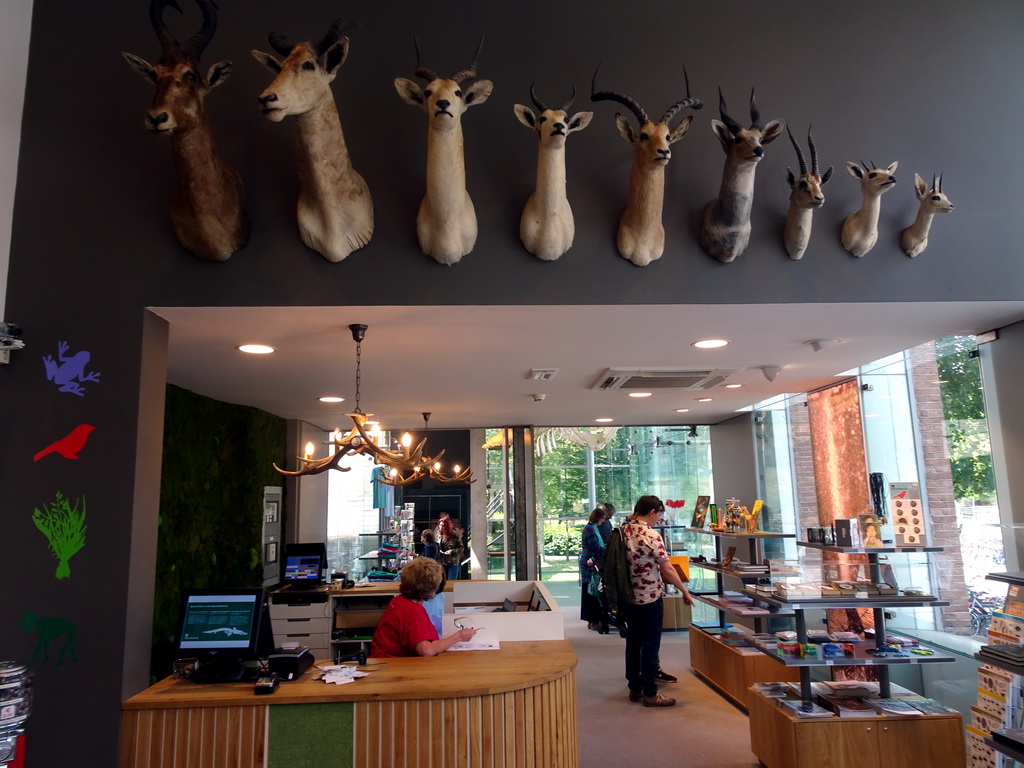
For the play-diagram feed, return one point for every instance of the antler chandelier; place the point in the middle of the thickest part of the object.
(404, 467)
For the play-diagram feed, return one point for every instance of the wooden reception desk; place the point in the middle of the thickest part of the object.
(514, 707)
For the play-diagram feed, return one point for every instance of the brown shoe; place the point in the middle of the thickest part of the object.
(659, 700)
(635, 696)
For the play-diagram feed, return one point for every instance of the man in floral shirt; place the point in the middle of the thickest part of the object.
(649, 569)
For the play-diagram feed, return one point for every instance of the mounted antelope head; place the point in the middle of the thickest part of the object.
(335, 210)
(725, 230)
(641, 237)
(934, 200)
(547, 227)
(860, 230)
(805, 198)
(446, 222)
(208, 212)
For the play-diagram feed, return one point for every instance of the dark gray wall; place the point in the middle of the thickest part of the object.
(931, 85)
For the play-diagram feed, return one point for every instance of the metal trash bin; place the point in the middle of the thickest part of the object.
(15, 707)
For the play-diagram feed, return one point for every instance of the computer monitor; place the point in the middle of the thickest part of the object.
(223, 629)
(304, 565)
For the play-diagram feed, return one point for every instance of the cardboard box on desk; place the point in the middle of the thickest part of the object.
(479, 604)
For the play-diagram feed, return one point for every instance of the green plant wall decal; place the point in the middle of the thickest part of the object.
(63, 524)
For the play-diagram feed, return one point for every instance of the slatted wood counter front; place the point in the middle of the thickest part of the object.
(510, 708)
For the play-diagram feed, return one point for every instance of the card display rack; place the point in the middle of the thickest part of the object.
(1014, 578)
(730, 671)
(754, 555)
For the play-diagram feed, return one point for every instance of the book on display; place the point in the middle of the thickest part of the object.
(898, 707)
(844, 707)
(804, 709)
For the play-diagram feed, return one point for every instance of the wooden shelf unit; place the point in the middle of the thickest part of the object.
(730, 672)
(782, 740)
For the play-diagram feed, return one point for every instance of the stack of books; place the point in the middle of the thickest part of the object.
(805, 708)
(749, 569)
(899, 707)
(847, 707)
(1009, 654)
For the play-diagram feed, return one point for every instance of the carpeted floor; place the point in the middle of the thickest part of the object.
(703, 729)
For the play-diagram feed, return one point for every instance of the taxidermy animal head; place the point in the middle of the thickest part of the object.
(180, 87)
(806, 196)
(335, 210)
(446, 222)
(304, 76)
(641, 237)
(209, 212)
(933, 200)
(725, 230)
(546, 226)
(860, 230)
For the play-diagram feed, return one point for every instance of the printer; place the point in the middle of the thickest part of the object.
(290, 663)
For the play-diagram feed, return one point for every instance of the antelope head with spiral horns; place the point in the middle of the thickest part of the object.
(641, 236)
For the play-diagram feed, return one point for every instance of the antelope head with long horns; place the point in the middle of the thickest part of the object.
(641, 236)
(725, 230)
(208, 211)
(547, 227)
(335, 210)
(446, 222)
(805, 198)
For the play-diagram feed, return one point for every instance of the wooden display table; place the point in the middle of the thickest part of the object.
(782, 740)
(730, 672)
(513, 707)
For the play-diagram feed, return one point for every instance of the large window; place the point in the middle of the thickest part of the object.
(574, 473)
(923, 422)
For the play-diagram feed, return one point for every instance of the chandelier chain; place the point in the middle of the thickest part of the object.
(359, 355)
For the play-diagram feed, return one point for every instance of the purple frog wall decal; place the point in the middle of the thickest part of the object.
(68, 371)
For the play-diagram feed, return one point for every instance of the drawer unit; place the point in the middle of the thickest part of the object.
(305, 623)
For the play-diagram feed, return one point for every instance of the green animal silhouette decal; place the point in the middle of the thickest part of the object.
(64, 527)
(48, 629)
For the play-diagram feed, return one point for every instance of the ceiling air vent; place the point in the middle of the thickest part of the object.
(662, 378)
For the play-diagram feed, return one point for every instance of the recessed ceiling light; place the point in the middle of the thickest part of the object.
(710, 343)
(682, 410)
(733, 386)
(639, 394)
(604, 420)
(704, 399)
(256, 349)
(332, 399)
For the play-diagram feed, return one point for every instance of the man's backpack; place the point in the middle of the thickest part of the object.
(618, 587)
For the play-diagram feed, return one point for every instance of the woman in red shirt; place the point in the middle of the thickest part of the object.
(405, 629)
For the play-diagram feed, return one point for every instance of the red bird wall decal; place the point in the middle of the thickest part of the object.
(70, 446)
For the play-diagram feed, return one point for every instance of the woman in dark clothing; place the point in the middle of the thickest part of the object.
(591, 553)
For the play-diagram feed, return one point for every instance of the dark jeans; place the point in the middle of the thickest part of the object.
(453, 572)
(643, 643)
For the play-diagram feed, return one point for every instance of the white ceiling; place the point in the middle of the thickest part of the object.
(469, 366)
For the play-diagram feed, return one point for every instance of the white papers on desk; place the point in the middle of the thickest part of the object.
(340, 674)
(482, 641)
(476, 644)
